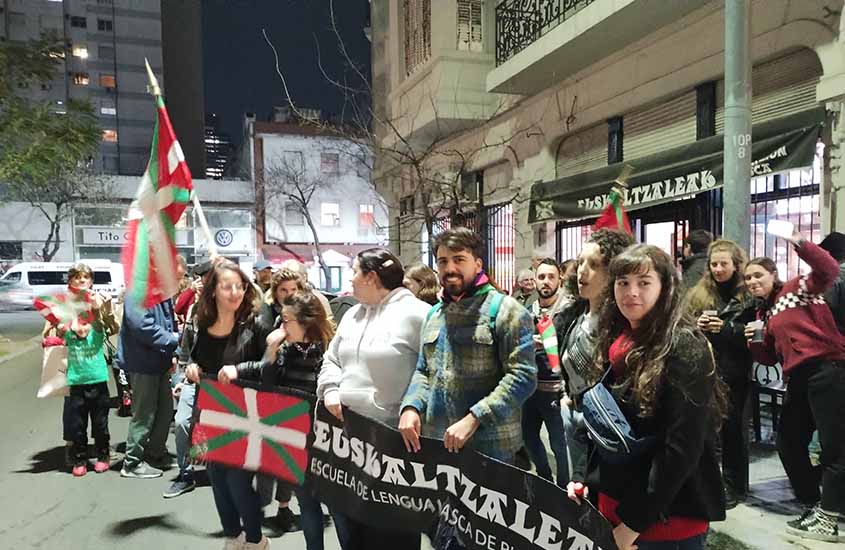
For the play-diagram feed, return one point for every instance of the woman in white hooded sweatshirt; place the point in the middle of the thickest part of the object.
(370, 361)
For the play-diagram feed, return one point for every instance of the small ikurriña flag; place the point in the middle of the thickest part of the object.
(66, 307)
(548, 335)
(614, 216)
(248, 429)
(149, 255)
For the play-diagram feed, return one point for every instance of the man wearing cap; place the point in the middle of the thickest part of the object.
(263, 275)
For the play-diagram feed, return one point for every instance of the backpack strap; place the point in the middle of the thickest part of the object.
(434, 309)
(495, 304)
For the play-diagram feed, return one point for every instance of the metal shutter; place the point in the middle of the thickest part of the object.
(581, 152)
(781, 87)
(660, 127)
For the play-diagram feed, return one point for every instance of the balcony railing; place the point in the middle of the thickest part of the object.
(519, 23)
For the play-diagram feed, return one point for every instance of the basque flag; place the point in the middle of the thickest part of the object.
(252, 429)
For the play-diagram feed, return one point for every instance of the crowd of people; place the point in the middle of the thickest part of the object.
(448, 355)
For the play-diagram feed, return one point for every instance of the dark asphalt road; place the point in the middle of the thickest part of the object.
(43, 507)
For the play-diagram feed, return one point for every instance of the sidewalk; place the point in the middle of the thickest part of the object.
(760, 522)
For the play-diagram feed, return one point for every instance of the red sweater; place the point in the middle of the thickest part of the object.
(799, 325)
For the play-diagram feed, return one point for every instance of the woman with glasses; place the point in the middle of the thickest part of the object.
(223, 333)
(370, 362)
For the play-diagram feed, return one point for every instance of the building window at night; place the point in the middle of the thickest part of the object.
(78, 21)
(105, 25)
(81, 52)
(80, 79)
(110, 136)
(328, 163)
(330, 214)
(107, 81)
(417, 29)
(469, 25)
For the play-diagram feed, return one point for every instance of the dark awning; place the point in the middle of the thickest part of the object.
(783, 144)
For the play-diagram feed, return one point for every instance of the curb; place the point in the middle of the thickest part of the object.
(29, 345)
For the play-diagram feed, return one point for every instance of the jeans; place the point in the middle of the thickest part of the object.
(183, 420)
(814, 400)
(84, 401)
(540, 408)
(311, 520)
(577, 441)
(237, 502)
(152, 410)
(693, 543)
(735, 455)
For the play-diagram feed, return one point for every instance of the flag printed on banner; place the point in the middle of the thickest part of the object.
(149, 255)
(253, 430)
(66, 307)
(548, 335)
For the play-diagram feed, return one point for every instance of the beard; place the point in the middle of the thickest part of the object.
(546, 292)
(455, 287)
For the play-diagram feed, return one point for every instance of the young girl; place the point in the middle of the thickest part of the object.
(293, 360)
(87, 373)
(224, 332)
(664, 380)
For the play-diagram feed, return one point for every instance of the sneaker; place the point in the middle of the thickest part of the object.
(141, 471)
(263, 544)
(808, 511)
(80, 469)
(102, 465)
(285, 521)
(180, 486)
(817, 526)
(165, 462)
(235, 544)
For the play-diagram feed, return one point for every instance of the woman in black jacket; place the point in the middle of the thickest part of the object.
(293, 360)
(224, 336)
(663, 379)
(723, 306)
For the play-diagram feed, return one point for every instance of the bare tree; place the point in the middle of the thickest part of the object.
(56, 197)
(287, 181)
(432, 168)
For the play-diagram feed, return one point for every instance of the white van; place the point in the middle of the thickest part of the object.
(26, 280)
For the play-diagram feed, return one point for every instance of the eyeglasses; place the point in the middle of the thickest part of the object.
(232, 288)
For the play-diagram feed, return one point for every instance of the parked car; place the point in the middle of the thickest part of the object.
(26, 280)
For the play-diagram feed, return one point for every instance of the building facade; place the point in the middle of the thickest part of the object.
(309, 179)
(97, 230)
(549, 102)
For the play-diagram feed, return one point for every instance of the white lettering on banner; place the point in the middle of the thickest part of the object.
(763, 166)
(482, 502)
(680, 186)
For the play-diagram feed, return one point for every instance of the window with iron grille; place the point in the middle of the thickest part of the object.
(417, 18)
(469, 25)
(78, 21)
(105, 25)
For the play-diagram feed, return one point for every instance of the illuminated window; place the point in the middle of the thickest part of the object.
(81, 52)
(108, 111)
(80, 79)
(110, 136)
(330, 214)
(107, 81)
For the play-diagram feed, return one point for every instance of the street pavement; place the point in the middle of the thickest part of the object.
(16, 326)
(43, 507)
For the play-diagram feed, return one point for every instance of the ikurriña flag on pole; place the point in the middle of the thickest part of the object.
(149, 255)
(614, 216)
(252, 429)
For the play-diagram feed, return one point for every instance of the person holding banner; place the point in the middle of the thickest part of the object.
(476, 367)
(661, 375)
(370, 361)
(292, 361)
(223, 333)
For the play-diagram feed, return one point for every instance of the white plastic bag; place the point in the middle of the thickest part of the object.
(54, 373)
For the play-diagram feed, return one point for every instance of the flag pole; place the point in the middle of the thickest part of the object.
(212, 247)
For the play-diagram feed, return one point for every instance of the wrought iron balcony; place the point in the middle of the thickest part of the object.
(519, 23)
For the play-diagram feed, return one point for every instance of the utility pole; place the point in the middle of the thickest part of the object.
(737, 149)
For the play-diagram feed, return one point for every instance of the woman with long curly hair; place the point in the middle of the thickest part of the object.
(800, 333)
(223, 335)
(723, 307)
(663, 378)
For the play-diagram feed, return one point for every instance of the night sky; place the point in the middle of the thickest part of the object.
(239, 65)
